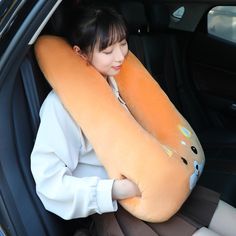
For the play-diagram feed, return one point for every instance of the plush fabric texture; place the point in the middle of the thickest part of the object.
(154, 146)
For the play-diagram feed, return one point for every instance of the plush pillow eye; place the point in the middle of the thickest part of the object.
(194, 149)
(184, 161)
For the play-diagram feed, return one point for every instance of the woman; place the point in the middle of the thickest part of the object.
(70, 180)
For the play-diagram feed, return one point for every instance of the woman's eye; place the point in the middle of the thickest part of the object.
(107, 52)
(123, 43)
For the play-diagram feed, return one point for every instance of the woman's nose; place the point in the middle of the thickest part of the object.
(119, 55)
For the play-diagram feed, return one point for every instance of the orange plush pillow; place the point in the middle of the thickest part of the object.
(155, 146)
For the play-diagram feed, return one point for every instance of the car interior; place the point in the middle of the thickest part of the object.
(195, 70)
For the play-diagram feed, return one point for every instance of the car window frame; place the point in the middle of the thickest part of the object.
(9, 13)
(12, 55)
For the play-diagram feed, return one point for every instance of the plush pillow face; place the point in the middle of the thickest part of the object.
(152, 144)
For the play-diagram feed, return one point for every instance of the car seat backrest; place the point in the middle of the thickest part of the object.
(174, 76)
(158, 45)
(137, 24)
(158, 17)
(149, 40)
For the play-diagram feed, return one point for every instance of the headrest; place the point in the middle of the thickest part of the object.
(158, 16)
(134, 14)
(58, 22)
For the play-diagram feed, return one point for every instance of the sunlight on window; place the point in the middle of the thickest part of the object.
(222, 22)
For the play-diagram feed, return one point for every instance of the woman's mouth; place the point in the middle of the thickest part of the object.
(116, 67)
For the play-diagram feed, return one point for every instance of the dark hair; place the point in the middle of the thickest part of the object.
(92, 25)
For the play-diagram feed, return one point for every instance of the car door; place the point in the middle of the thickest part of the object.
(21, 212)
(212, 59)
(211, 66)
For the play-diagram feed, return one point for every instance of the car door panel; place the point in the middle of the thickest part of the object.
(214, 75)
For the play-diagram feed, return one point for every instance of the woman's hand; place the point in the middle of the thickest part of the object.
(124, 188)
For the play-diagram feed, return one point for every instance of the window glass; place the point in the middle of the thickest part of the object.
(12, 16)
(8, 11)
(222, 22)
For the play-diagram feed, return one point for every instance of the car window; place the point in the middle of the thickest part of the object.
(8, 11)
(12, 15)
(222, 22)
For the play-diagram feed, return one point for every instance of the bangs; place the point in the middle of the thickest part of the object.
(110, 33)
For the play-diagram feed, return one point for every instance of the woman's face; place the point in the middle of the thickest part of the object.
(109, 61)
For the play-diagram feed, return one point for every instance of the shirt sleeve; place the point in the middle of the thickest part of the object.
(54, 157)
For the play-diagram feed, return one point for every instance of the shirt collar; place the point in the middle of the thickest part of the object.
(112, 82)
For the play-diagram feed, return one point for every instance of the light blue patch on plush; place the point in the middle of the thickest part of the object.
(198, 168)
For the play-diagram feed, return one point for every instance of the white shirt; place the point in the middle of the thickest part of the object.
(70, 180)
